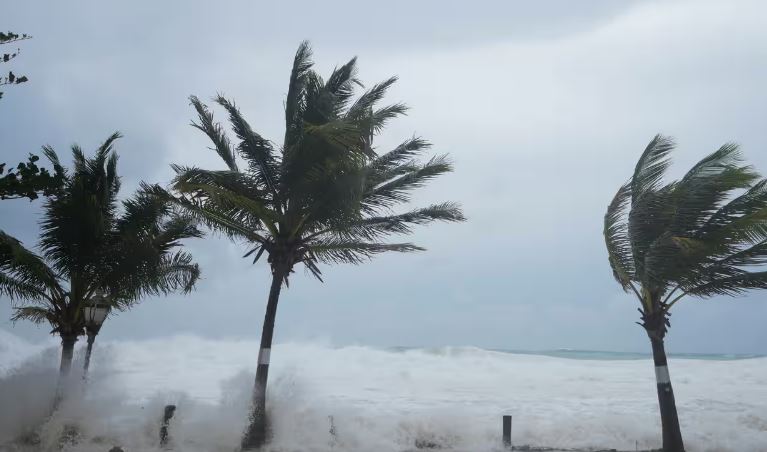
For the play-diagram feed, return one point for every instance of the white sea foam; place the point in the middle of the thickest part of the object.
(379, 400)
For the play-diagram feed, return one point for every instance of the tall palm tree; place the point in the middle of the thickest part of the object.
(693, 237)
(324, 196)
(89, 246)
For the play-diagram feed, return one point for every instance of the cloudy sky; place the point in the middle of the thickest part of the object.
(544, 107)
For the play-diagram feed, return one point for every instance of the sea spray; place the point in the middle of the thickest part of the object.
(379, 400)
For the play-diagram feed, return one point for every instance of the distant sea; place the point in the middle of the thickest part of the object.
(597, 355)
(617, 356)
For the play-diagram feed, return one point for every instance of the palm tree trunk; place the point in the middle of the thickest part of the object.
(87, 364)
(672, 434)
(255, 436)
(67, 351)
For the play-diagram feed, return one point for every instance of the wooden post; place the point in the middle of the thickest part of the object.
(507, 432)
(166, 417)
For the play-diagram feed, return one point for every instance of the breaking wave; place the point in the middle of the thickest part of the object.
(355, 398)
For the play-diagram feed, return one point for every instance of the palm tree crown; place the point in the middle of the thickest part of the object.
(324, 195)
(688, 237)
(89, 246)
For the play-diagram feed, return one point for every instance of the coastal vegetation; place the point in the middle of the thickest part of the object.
(7, 38)
(325, 196)
(699, 236)
(92, 249)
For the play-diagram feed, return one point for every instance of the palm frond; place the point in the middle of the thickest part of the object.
(51, 155)
(177, 226)
(171, 273)
(212, 217)
(367, 101)
(257, 151)
(651, 166)
(704, 188)
(377, 227)
(649, 219)
(34, 314)
(617, 239)
(749, 203)
(242, 204)
(379, 118)
(396, 183)
(340, 87)
(343, 135)
(338, 251)
(396, 158)
(731, 286)
(295, 102)
(215, 132)
(26, 275)
(16, 289)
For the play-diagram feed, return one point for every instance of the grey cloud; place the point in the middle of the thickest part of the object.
(544, 107)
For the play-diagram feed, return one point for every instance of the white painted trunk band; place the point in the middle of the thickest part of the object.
(263, 356)
(661, 375)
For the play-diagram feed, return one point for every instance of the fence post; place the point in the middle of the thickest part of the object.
(166, 417)
(507, 432)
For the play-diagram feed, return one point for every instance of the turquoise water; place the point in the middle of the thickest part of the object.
(598, 355)
(616, 356)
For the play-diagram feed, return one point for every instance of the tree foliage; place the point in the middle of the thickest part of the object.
(89, 246)
(5, 57)
(325, 195)
(702, 235)
(28, 180)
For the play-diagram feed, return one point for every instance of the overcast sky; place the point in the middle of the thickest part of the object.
(544, 107)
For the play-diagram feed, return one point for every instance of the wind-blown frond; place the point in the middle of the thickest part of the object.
(34, 314)
(51, 155)
(651, 166)
(617, 239)
(295, 103)
(236, 199)
(731, 286)
(170, 273)
(257, 151)
(702, 190)
(16, 289)
(745, 212)
(340, 87)
(215, 132)
(400, 157)
(212, 216)
(338, 251)
(692, 235)
(370, 98)
(394, 184)
(24, 274)
(379, 118)
(376, 227)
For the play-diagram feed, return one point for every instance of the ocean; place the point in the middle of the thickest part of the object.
(381, 399)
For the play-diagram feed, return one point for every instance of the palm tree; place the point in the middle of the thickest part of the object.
(89, 247)
(324, 196)
(692, 237)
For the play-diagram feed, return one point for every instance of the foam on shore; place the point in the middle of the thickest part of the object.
(379, 400)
